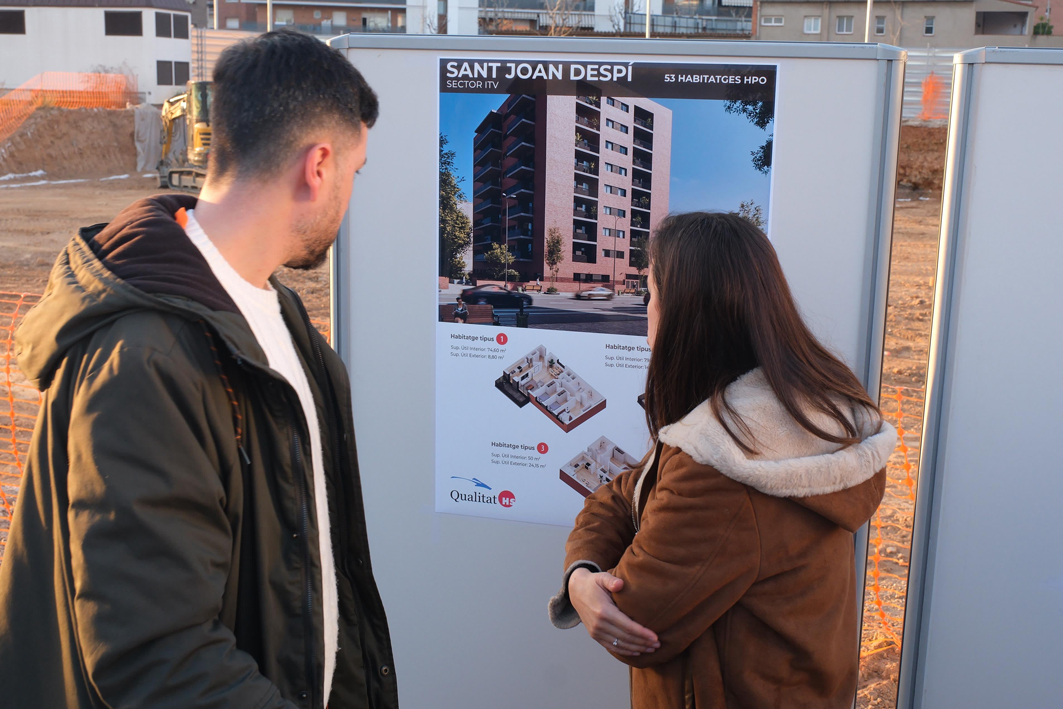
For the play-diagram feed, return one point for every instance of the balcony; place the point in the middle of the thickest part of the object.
(488, 135)
(521, 124)
(521, 167)
(585, 190)
(590, 214)
(589, 168)
(580, 258)
(522, 101)
(524, 209)
(642, 164)
(521, 188)
(592, 123)
(640, 203)
(587, 145)
(639, 222)
(644, 144)
(640, 183)
(485, 188)
(584, 235)
(487, 204)
(491, 151)
(485, 170)
(520, 232)
(594, 101)
(488, 221)
(644, 122)
(519, 146)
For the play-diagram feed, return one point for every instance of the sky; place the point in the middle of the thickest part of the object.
(712, 164)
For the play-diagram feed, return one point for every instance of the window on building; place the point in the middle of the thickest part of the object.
(180, 26)
(163, 24)
(844, 25)
(283, 17)
(164, 73)
(620, 233)
(376, 20)
(180, 73)
(613, 211)
(772, 21)
(615, 169)
(232, 23)
(613, 146)
(123, 24)
(607, 232)
(880, 25)
(12, 22)
(1014, 23)
(339, 18)
(609, 189)
(811, 25)
(617, 104)
(609, 122)
(928, 26)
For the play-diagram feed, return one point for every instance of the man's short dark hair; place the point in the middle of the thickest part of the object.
(270, 91)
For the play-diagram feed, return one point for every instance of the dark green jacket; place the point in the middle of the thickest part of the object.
(164, 548)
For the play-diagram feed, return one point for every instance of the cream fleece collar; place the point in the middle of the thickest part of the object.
(791, 461)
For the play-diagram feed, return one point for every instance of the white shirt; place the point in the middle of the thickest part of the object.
(262, 310)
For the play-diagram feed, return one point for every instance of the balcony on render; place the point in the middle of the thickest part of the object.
(642, 163)
(586, 189)
(585, 213)
(642, 184)
(485, 188)
(524, 123)
(586, 122)
(646, 123)
(584, 144)
(520, 168)
(594, 101)
(484, 171)
(520, 231)
(522, 103)
(582, 231)
(644, 144)
(487, 204)
(489, 153)
(584, 254)
(521, 188)
(591, 168)
(642, 175)
(638, 221)
(520, 146)
(491, 220)
(640, 201)
(522, 209)
(491, 133)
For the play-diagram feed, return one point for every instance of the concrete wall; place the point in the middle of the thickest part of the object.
(73, 39)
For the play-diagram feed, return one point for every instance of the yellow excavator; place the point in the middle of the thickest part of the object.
(186, 119)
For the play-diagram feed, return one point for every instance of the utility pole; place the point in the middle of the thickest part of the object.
(216, 2)
(269, 15)
(647, 19)
(615, 217)
(867, 26)
(505, 229)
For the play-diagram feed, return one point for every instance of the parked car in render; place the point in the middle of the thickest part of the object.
(599, 293)
(496, 296)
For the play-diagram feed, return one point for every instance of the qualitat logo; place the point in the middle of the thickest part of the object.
(476, 497)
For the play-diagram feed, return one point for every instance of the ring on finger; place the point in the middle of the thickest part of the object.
(616, 642)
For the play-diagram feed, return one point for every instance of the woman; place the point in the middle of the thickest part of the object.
(461, 312)
(722, 569)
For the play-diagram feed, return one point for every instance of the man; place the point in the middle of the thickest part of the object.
(190, 529)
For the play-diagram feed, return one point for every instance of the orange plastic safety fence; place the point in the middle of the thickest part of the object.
(20, 402)
(64, 90)
(934, 102)
(890, 536)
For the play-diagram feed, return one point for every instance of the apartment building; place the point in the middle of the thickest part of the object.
(954, 24)
(595, 168)
(328, 17)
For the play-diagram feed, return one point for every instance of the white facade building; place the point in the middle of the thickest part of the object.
(146, 39)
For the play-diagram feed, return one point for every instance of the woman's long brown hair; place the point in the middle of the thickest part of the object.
(725, 309)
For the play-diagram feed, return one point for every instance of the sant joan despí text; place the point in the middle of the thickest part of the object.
(480, 75)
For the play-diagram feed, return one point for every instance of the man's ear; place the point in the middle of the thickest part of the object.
(314, 166)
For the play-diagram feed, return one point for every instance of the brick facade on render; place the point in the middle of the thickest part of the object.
(594, 167)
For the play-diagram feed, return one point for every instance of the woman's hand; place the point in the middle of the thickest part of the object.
(591, 596)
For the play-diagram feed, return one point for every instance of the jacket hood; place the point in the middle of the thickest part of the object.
(790, 461)
(143, 260)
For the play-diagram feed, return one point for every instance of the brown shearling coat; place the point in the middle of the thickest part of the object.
(743, 565)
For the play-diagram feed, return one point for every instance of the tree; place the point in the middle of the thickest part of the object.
(561, 19)
(555, 250)
(640, 258)
(455, 227)
(760, 114)
(751, 211)
(1043, 27)
(497, 259)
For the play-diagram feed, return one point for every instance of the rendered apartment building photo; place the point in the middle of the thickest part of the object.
(593, 167)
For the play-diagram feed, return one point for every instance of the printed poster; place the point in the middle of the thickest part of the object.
(553, 177)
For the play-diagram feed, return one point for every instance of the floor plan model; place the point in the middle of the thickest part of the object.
(541, 379)
(598, 465)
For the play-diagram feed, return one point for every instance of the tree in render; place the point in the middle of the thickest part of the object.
(555, 251)
(498, 260)
(640, 258)
(455, 227)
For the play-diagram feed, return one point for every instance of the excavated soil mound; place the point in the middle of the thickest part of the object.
(921, 162)
(72, 143)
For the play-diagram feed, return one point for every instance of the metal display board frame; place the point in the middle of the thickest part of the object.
(965, 258)
(476, 634)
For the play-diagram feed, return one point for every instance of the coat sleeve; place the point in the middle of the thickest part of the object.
(150, 542)
(697, 552)
(602, 532)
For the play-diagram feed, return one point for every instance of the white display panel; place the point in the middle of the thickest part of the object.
(466, 597)
(985, 603)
